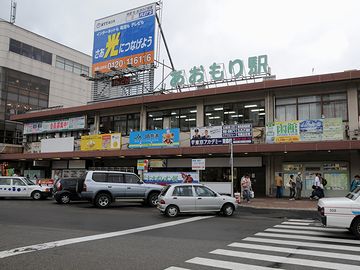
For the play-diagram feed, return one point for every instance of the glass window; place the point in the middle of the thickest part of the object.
(15, 46)
(309, 111)
(60, 62)
(204, 192)
(18, 182)
(131, 178)
(133, 122)
(47, 58)
(115, 178)
(99, 177)
(26, 50)
(183, 191)
(37, 54)
(85, 70)
(69, 65)
(5, 181)
(77, 68)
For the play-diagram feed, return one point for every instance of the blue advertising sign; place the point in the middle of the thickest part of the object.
(155, 138)
(124, 39)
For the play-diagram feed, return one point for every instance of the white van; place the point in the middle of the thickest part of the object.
(15, 186)
(342, 212)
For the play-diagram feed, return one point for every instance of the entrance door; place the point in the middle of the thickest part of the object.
(257, 176)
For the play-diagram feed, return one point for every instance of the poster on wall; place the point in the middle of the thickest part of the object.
(100, 142)
(336, 181)
(167, 178)
(155, 138)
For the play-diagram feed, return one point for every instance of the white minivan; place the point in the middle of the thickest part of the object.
(16, 186)
(342, 212)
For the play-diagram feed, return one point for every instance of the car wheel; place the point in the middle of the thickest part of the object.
(103, 200)
(64, 198)
(227, 210)
(153, 199)
(355, 227)
(172, 211)
(36, 195)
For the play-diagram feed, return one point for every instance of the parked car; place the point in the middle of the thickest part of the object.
(342, 212)
(104, 187)
(15, 186)
(194, 198)
(68, 189)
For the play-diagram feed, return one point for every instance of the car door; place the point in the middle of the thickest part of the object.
(134, 187)
(19, 188)
(206, 199)
(5, 186)
(183, 197)
(116, 181)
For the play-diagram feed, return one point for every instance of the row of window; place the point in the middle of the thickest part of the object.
(30, 51)
(115, 178)
(71, 66)
(123, 124)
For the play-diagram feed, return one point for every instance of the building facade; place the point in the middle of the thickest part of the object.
(318, 117)
(36, 73)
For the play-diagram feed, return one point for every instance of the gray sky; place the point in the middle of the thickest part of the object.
(297, 36)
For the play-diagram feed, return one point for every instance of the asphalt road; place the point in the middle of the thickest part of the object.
(26, 223)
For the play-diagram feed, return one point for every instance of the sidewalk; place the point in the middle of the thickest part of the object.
(284, 203)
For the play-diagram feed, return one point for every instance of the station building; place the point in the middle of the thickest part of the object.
(328, 102)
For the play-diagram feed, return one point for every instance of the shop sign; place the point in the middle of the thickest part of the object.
(55, 125)
(305, 130)
(142, 164)
(167, 178)
(217, 135)
(155, 138)
(198, 164)
(101, 142)
(123, 39)
(158, 163)
(257, 66)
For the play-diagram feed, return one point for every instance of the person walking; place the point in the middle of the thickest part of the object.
(292, 186)
(246, 187)
(298, 185)
(279, 185)
(317, 188)
(355, 183)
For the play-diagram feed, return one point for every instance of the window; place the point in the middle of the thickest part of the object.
(18, 182)
(123, 124)
(115, 178)
(30, 51)
(131, 179)
(184, 119)
(183, 191)
(99, 177)
(71, 66)
(5, 181)
(204, 192)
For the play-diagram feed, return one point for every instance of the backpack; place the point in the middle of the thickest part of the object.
(323, 182)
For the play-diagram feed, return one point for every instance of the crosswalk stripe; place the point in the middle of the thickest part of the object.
(226, 264)
(307, 232)
(301, 220)
(314, 228)
(297, 223)
(313, 238)
(298, 251)
(176, 268)
(285, 260)
(302, 244)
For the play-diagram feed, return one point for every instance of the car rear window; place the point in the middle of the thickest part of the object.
(164, 190)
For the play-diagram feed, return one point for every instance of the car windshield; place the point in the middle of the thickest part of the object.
(354, 194)
(27, 181)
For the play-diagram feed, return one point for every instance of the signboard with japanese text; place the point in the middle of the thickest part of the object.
(101, 142)
(217, 135)
(167, 178)
(198, 164)
(55, 125)
(155, 138)
(124, 39)
(326, 129)
(142, 164)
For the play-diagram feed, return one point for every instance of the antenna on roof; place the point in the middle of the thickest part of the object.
(13, 11)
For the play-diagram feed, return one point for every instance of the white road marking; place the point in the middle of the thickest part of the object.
(306, 232)
(48, 245)
(302, 244)
(298, 251)
(297, 223)
(176, 268)
(285, 260)
(312, 238)
(226, 264)
(314, 228)
(302, 220)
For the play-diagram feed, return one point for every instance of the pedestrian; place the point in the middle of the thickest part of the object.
(299, 185)
(317, 192)
(246, 187)
(292, 186)
(279, 185)
(355, 183)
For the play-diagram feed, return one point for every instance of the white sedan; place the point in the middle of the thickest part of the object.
(194, 198)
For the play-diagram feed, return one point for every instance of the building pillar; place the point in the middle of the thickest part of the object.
(200, 114)
(143, 115)
(352, 102)
(269, 107)
(96, 123)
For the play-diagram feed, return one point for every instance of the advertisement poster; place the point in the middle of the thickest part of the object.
(123, 39)
(333, 129)
(166, 178)
(287, 132)
(311, 130)
(217, 135)
(55, 125)
(100, 142)
(337, 181)
(155, 138)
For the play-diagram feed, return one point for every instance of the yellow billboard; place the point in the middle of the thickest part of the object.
(101, 142)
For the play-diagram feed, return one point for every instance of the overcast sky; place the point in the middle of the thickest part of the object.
(297, 36)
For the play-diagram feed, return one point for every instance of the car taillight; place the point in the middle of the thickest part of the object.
(84, 187)
(58, 186)
(162, 202)
(321, 211)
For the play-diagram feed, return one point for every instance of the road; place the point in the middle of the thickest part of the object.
(33, 234)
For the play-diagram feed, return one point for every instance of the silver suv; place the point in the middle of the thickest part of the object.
(104, 187)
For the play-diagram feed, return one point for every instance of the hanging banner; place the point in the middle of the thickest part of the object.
(167, 178)
(155, 138)
(55, 125)
(101, 142)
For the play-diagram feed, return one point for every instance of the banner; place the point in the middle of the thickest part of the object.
(124, 39)
(155, 138)
(167, 178)
(216, 135)
(55, 125)
(305, 130)
(100, 142)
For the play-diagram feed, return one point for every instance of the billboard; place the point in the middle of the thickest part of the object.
(57, 145)
(216, 135)
(155, 138)
(100, 142)
(55, 125)
(124, 39)
(167, 178)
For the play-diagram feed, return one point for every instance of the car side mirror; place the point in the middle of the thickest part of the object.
(140, 182)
